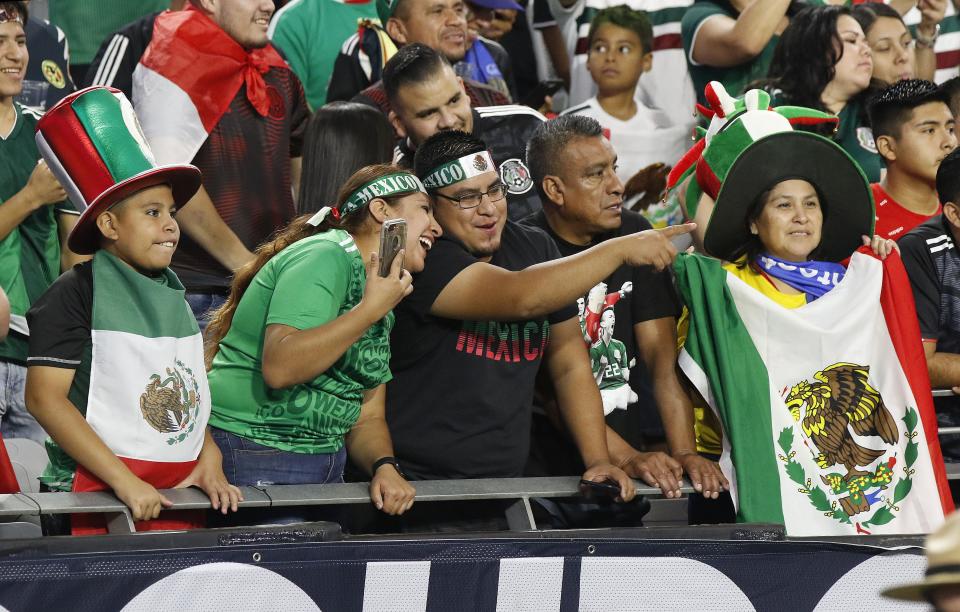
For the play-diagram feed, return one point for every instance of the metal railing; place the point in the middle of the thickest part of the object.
(519, 514)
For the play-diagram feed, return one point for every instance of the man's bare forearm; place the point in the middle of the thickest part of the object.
(944, 370)
(200, 220)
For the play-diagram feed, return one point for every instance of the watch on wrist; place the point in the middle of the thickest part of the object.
(384, 460)
(927, 42)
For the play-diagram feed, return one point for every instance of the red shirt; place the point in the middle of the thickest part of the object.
(893, 220)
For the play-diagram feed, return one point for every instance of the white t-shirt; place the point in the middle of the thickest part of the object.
(666, 86)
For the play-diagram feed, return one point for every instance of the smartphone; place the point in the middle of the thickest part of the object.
(606, 487)
(543, 89)
(393, 238)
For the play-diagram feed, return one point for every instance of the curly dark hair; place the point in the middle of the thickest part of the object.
(804, 59)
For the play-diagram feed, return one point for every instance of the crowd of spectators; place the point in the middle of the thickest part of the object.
(529, 325)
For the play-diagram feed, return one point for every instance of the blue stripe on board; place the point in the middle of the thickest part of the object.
(470, 584)
(570, 591)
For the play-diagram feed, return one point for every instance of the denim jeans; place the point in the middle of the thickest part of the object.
(16, 421)
(246, 463)
(203, 305)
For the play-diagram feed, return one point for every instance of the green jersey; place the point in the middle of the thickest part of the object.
(30, 254)
(310, 34)
(608, 361)
(309, 283)
(87, 24)
(735, 79)
(856, 138)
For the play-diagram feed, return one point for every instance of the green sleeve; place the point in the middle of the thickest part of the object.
(290, 36)
(311, 286)
(692, 20)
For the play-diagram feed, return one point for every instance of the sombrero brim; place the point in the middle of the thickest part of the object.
(183, 179)
(918, 590)
(842, 186)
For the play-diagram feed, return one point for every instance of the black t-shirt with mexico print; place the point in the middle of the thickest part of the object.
(460, 401)
(635, 295)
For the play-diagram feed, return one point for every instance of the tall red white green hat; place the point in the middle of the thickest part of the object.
(734, 124)
(92, 142)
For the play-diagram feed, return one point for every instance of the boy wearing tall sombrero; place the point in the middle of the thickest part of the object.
(116, 372)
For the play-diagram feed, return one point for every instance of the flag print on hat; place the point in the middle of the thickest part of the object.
(93, 144)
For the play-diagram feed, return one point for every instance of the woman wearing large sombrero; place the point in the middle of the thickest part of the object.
(806, 349)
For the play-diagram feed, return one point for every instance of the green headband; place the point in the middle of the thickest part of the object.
(383, 187)
(459, 170)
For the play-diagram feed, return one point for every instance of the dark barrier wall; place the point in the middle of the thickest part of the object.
(481, 574)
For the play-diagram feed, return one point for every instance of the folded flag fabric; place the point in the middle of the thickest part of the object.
(188, 76)
(148, 399)
(828, 418)
(8, 477)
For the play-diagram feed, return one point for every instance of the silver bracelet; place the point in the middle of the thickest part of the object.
(925, 42)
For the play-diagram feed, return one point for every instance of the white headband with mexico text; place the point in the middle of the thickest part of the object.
(383, 187)
(459, 170)
(11, 15)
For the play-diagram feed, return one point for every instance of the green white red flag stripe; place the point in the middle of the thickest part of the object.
(188, 77)
(747, 354)
(101, 153)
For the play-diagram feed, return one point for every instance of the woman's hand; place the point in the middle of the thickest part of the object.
(382, 293)
(208, 476)
(390, 492)
(881, 246)
(932, 12)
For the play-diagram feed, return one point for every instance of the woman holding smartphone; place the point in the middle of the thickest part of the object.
(299, 354)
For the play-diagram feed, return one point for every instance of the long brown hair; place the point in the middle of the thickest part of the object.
(297, 229)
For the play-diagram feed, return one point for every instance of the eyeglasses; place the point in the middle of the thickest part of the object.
(470, 201)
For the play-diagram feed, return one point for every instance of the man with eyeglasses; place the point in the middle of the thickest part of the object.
(426, 96)
(492, 304)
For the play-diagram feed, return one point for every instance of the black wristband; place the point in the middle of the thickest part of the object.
(383, 460)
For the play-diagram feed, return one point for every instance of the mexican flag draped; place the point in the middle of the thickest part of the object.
(187, 78)
(827, 414)
(148, 399)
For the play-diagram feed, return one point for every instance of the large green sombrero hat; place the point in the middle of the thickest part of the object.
(844, 192)
(734, 124)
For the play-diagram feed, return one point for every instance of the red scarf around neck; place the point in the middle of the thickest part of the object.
(191, 50)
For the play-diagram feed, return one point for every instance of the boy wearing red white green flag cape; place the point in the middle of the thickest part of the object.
(814, 367)
(115, 372)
